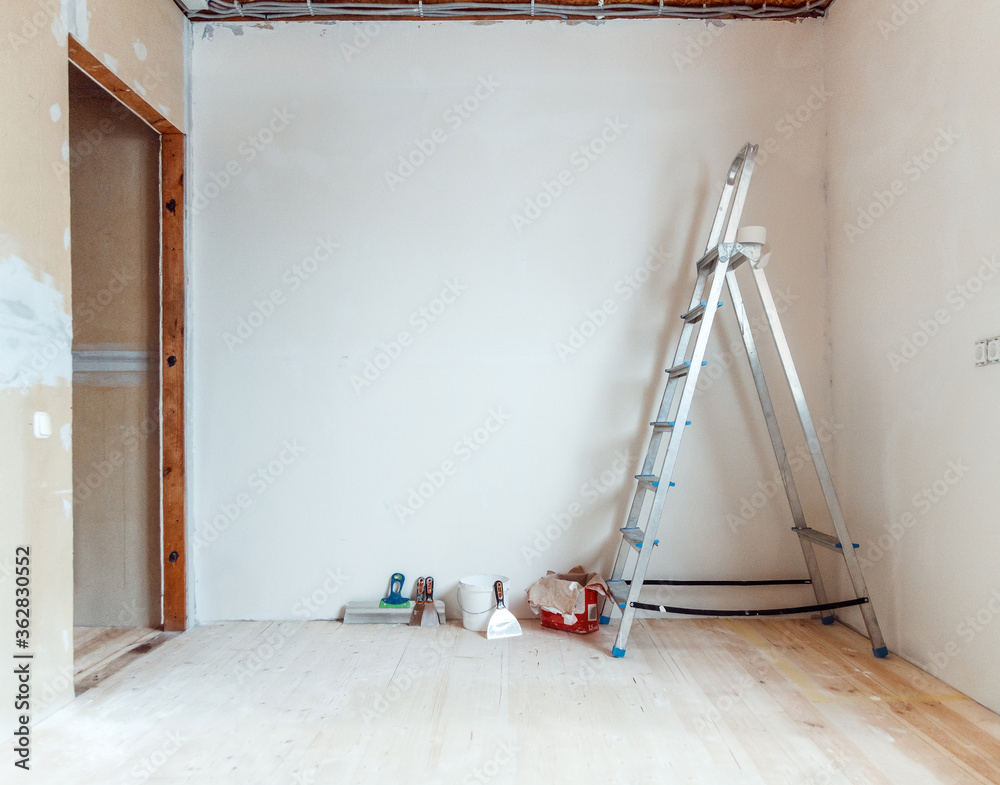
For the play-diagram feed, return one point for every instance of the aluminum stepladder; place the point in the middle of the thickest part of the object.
(724, 254)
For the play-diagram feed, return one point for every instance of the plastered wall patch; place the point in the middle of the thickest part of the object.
(74, 18)
(36, 333)
(55, 112)
(140, 51)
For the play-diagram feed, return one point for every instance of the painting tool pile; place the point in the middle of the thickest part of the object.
(396, 609)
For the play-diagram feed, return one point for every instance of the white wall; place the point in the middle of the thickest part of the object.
(909, 295)
(309, 118)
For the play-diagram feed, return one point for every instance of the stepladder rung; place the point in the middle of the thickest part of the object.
(650, 481)
(821, 538)
(695, 314)
(680, 370)
(667, 425)
(619, 592)
(635, 537)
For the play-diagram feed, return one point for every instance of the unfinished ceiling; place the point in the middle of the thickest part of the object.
(215, 10)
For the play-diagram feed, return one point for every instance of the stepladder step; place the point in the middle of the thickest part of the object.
(635, 537)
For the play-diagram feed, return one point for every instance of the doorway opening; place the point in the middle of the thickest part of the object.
(125, 172)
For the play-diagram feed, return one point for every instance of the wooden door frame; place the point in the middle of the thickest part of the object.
(172, 493)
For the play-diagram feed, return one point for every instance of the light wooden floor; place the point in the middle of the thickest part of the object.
(711, 702)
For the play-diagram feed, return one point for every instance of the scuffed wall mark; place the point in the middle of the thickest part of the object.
(236, 30)
(111, 62)
(55, 112)
(208, 33)
(36, 333)
(66, 435)
(140, 51)
(164, 110)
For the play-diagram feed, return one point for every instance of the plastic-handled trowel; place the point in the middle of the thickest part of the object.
(418, 605)
(395, 598)
(429, 615)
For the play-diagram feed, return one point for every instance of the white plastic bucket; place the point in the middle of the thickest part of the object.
(477, 601)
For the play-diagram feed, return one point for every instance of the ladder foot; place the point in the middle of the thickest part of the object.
(616, 652)
(605, 620)
(881, 652)
(829, 619)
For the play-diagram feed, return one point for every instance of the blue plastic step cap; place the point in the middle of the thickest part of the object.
(829, 619)
(605, 620)
(881, 652)
(616, 652)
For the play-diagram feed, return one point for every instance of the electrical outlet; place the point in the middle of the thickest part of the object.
(979, 354)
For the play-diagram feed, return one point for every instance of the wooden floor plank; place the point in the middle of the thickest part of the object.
(695, 702)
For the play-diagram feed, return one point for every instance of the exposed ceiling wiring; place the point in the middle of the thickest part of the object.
(274, 10)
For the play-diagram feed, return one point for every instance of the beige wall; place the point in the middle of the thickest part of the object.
(35, 359)
(142, 42)
(115, 173)
(909, 295)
